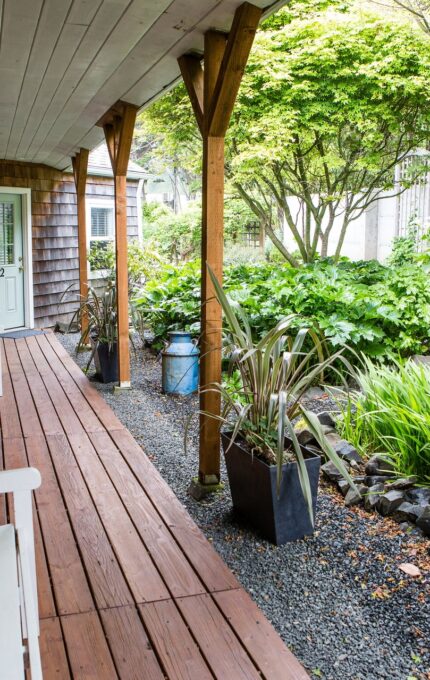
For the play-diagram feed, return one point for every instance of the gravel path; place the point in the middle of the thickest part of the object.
(338, 599)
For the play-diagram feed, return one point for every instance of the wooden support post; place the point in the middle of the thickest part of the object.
(80, 168)
(212, 93)
(118, 125)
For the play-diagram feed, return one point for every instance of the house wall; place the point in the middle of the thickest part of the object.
(55, 230)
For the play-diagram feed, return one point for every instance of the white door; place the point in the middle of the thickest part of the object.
(12, 312)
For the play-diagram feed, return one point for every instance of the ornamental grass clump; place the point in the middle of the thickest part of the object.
(390, 414)
(275, 372)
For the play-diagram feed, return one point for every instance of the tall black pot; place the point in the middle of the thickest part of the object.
(106, 362)
(280, 518)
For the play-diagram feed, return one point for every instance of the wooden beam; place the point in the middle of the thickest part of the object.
(192, 74)
(225, 58)
(80, 168)
(118, 128)
(241, 37)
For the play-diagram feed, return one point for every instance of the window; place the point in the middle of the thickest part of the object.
(6, 234)
(101, 233)
(102, 222)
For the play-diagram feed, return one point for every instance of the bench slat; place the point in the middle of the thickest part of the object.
(11, 649)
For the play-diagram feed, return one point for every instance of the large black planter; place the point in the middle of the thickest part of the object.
(106, 362)
(253, 485)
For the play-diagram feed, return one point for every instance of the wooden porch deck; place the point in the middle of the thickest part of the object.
(128, 585)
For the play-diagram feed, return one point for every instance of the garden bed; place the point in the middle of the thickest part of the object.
(339, 599)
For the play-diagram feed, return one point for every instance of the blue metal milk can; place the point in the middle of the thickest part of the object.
(180, 364)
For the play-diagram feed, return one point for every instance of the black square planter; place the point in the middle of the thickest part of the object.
(106, 362)
(253, 488)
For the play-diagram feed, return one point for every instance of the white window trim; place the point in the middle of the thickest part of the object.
(97, 203)
(27, 251)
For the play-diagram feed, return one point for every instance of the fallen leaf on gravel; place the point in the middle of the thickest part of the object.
(381, 593)
(410, 569)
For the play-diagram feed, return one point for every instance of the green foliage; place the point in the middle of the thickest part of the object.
(391, 415)
(275, 372)
(101, 257)
(333, 97)
(383, 311)
(177, 235)
(144, 262)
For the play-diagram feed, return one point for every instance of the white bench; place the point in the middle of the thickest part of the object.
(19, 616)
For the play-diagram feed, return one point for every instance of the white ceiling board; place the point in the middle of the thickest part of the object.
(170, 29)
(64, 50)
(63, 67)
(138, 18)
(105, 20)
(19, 22)
(54, 14)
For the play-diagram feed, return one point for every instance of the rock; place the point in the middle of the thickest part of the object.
(374, 479)
(305, 437)
(344, 449)
(423, 521)
(403, 483)
(390, 501)
(353, 497)
(407, 512)
(419, 496)
(327, 419)
(315, 393)
(331, 471)
(372, 496)
(359, 479)
(343, 486)
(377, 465)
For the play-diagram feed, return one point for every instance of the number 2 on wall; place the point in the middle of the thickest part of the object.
(1, 272)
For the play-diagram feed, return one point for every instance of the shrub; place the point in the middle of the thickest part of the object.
(391, 415)
(382, 311)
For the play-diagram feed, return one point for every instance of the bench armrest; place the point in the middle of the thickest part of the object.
(23, 479)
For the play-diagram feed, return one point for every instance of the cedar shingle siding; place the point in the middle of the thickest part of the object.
(55, 230)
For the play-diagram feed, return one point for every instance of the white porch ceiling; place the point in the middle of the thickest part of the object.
(63, 63)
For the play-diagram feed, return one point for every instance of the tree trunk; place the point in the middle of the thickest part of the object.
(280, 246)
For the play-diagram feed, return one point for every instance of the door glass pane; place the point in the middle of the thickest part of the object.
(6, 234)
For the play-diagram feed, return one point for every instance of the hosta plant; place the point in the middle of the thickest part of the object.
(275, 372)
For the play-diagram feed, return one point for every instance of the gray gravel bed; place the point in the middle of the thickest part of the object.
(338, 599)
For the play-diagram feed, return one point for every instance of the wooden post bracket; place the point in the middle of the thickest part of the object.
(212, 91)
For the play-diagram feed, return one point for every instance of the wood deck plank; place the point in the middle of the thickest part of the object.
(52, 651)
(108, 584)
(172, 639)
(87, 647)
(213, 571)
(129, 587)
(131, 649)
(169, 558)
(213, 633)
(259, 637)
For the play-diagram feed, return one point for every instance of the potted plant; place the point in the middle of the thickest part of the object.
(101, 312)
(273, 479)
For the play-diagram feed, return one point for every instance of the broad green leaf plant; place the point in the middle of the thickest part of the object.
(275, 373)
